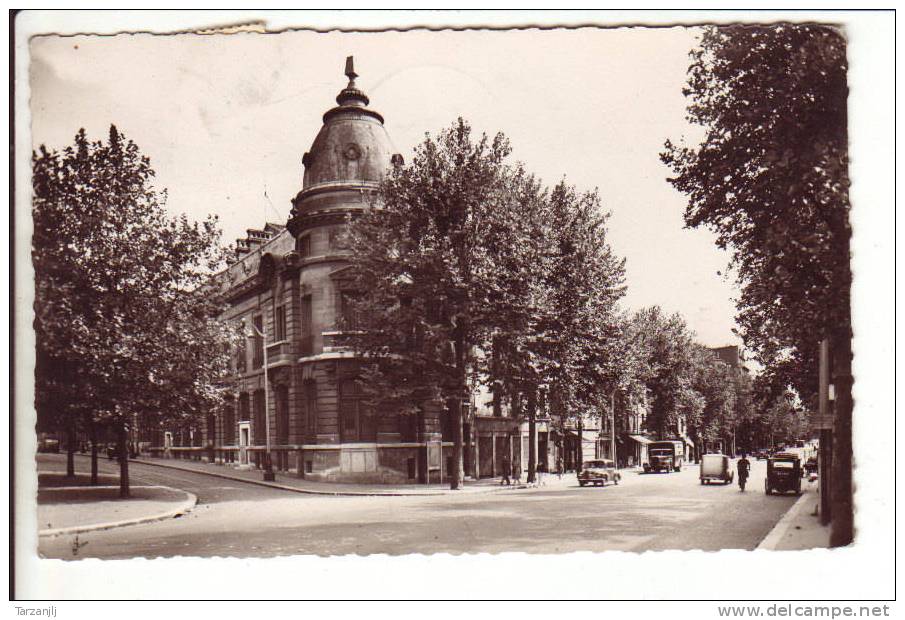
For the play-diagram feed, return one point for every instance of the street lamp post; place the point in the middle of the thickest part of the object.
(269, 476)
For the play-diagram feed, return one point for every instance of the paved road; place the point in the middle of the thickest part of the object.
(645, 512)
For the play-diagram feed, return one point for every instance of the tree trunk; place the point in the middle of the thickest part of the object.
(122, 448)
(613, 427)
(457, 474)
(532, 436)
(842, 533)
(579, 455)
(70, 450)
(93, 454)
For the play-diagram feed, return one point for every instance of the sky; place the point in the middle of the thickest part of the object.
(225, 120)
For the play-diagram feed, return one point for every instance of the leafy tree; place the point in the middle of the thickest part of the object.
(670, 371)
(714, 381)
(771, 179)
(571, 338)
(124, 327)
(432, 258)
(470, 272)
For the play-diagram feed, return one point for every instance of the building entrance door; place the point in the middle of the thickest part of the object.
(244, 438)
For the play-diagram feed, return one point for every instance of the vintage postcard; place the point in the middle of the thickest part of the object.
(300, 292)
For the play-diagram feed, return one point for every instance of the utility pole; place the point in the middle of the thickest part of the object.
(269, 476)
(842, 532)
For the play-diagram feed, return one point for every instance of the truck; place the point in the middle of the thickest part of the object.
(665, 456)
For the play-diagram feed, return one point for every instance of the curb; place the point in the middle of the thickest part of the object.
(779, 530)
(283, 487)
(187, 505)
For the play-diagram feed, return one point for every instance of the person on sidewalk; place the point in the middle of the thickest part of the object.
(744, 468)
(559, 466)
(516, 474)
(507, 469)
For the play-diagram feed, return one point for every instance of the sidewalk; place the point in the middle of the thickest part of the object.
(72, 505)
(799, 528)
(288, 481)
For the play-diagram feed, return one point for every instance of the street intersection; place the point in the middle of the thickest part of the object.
(644, 512)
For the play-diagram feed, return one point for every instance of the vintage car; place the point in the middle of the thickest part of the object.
(599, 471)
(113, 451)
(715, 467)
(48, 445)
(783, 474)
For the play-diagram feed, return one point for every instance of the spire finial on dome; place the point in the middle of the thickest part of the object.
(350, 95)
(350, 70)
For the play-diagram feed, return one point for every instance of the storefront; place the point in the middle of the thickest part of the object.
(635, 450)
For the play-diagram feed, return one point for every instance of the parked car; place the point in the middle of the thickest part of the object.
(715, 467)
(113, 451)
(783, 474)
(599, 471)
(48, 444)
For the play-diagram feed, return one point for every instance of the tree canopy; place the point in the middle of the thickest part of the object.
(470, 271)
(771, 179)
(124, 328)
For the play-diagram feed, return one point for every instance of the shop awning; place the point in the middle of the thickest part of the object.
(641, 439)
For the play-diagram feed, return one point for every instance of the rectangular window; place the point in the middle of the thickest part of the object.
(408, 427)
(311, 406)
(446, 425)
(242, 350)
(358, 420)
(350, 419)
(244, 409)
(279, 323)
(348, 312)
(307, 329)
(257, 356)
(229, 424)
(303, 246)
(260, 423)
(281, 395)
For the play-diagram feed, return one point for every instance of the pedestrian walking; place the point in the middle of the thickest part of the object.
(507, 469)
(744, 467)
(559, 466)
(516, 474)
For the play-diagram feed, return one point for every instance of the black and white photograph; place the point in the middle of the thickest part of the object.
(612, 284)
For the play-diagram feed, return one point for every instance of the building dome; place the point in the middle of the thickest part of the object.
(352, 147)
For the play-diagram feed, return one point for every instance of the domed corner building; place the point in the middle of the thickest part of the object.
(292, 284)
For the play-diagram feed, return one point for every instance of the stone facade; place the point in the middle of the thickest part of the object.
(290, 283)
